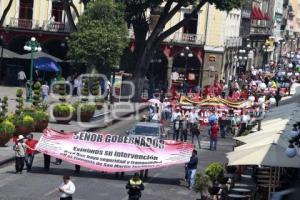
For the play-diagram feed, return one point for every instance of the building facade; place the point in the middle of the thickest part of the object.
(46, 20)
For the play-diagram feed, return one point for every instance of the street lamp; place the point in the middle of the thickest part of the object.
(187, 53)
(33, 46)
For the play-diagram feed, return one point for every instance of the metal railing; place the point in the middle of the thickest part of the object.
(53, 26)
(178, 37)
(47, 25)
(233, 41)
(260, 30)
(187, 38)
(23, 23)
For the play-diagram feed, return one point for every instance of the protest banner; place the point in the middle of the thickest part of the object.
(113, 153)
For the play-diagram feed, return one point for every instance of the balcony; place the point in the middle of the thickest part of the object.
(177, 37)
(47, 25)
(233, 42)
(187, 38)
(260, 30)
(53, 26)
(23, 23)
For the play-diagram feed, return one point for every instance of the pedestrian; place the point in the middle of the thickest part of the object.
(75, 86)
(184, 129)
(222, 122)
(195, 133)
(67, 189)
(29, 154)
(47, 160)
(191, 168)
(214, 136)
(77, 169)
(135, 186)
(193, 118)
(177, 127)
(144, 174)
(277, 97)
(21, 78)
(45, 91)
(20, 149)
(58, 161)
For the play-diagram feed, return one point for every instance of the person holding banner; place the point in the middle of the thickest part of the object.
(29, 154)
(135, 186)
(20, 149)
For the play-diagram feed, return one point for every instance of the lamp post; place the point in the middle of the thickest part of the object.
(33, 46)
(187, 53)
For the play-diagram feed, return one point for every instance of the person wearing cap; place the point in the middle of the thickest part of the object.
(20, 149)
(135, 186)
(67, 189)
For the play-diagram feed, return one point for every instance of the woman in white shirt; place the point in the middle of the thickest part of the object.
(67, 189)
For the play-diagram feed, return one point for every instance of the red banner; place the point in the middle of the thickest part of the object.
(113, 153)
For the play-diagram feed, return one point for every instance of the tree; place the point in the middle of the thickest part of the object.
(67, 4)
(100, 39)
(37, 95)
(145, 47)
(6, 10)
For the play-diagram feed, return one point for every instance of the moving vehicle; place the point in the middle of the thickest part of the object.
(149, 129)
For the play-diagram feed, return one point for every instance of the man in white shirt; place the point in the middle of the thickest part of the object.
(176, 114)
(45, 91)
(21, 78)
(67, 189)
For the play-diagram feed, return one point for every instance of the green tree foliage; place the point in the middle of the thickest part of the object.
(145, 46)
(20, 101)
(37, 94)
(101, 36)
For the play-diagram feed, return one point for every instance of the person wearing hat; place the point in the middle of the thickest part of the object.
(135, 186)
(20, 148)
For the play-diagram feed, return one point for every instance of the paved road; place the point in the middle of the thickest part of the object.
(163, 184)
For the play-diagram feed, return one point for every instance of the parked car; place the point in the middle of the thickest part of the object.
(149, 129)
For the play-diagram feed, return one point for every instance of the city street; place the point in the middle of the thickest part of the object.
(166, 183)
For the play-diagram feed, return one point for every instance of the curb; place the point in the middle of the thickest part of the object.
(8, 160)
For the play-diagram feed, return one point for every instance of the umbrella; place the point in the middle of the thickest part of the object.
(154, 101)
(40, 54)
(9, 54)
(280, 139)
(271, 155)
(46, 64)
(269, 130)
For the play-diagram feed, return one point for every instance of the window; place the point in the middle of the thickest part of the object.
(26, 9)
(57, 11)
(191, 27)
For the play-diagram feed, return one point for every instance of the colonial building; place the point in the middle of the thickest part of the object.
(45, 20)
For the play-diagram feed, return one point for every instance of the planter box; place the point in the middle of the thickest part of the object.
(24, 130)
(40, 126)
(61, 119)
(86, 116)
(4, 138)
